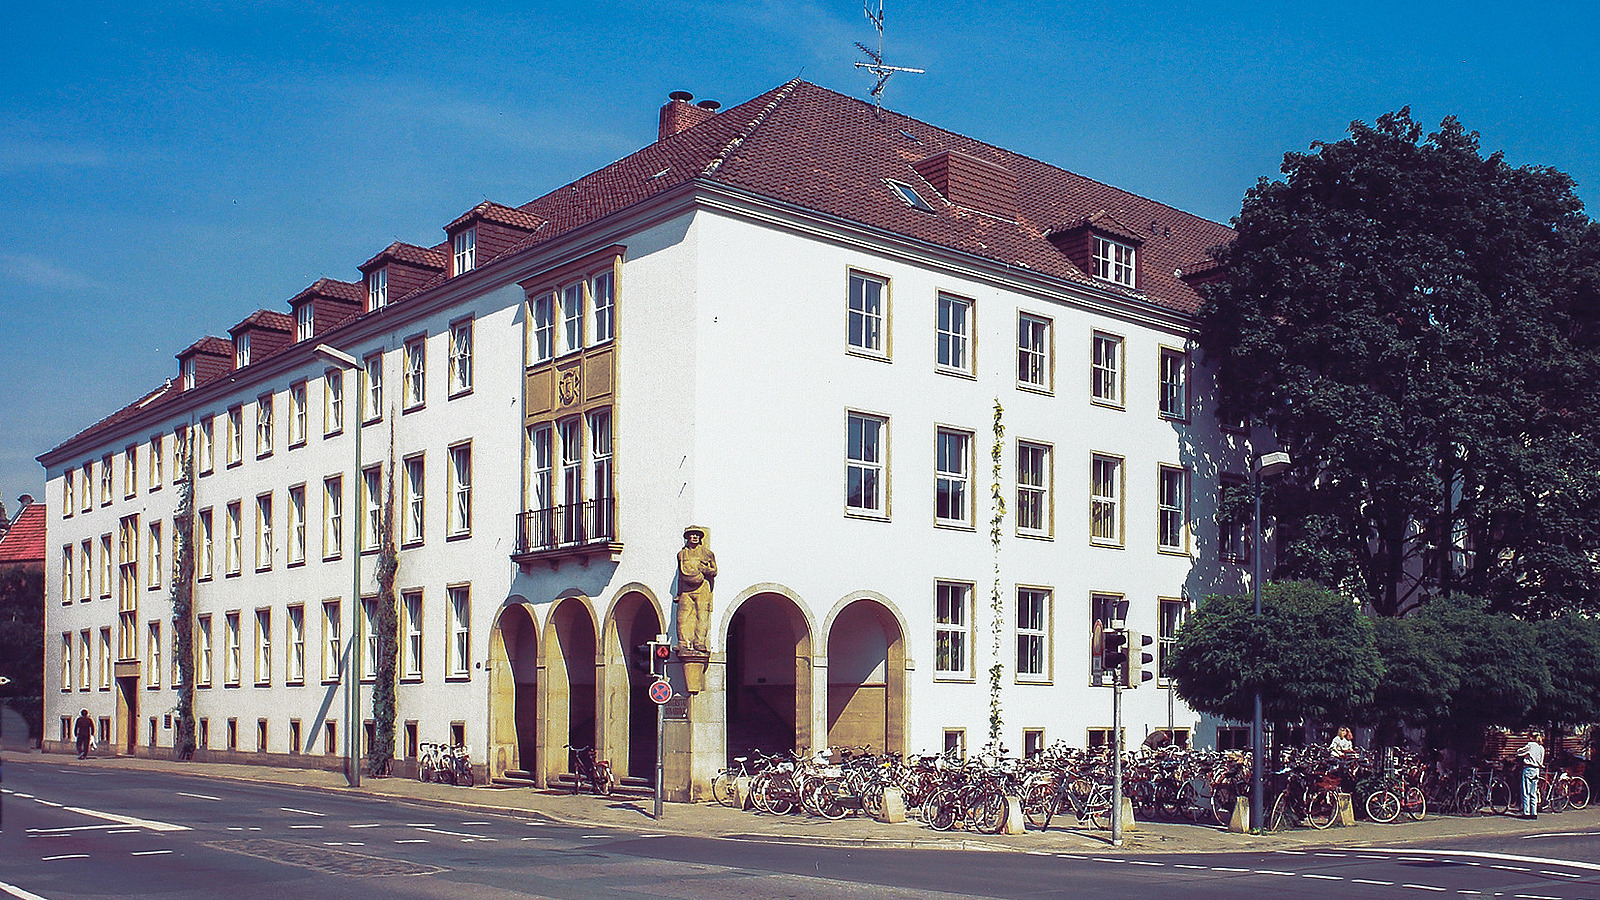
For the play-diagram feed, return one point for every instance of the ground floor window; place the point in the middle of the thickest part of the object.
(1233, 737)
(955, 742)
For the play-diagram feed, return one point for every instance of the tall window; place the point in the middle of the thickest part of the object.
(865, 330)
(461, 357)
(156, 543)
(295, 658)
(235, 435)
(66, 574)
(264, 544)
(458, 645)
(541, 488)
(1174, 383)
(69, 502)
(1033, 352)
(128, 586)
(1234, 516)
(377, 289)
(600, 487)
(332, 641)
(571, 317)
(1105, 371)
(465, 247)
(369, 628)
(88, 485)
(1172, 614)
(602, 295)
(372, 396)
(206, 555)
(952, 629)
(544, 327)
(187, 373)
(241, 350)
(105, 565)
(332, 401)
(1171, 510)
(152, 645)
(412, 531)
(130, 471)
(1105, 500)
(304, 323)
(107, 665)
(264, 425)
(864, 464)
(954, 332)
(460, 489)
(1105, 611)
(568, 430)
(1033, 488)
(263, 646)
(411, 635)
(105, 480)
(85, 571)
(85, 676)
(297, 524)
(157, 462)
(416, 362)
(1033, 634)
(231, 662)
(372, 507)
(202, 651)
(207, 449)
(233, 538)
(332, 517)
(952, 477)
(297, 413)
(66, 665)
(1113, 261)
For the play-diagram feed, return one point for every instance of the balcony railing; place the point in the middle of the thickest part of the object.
(570, 526)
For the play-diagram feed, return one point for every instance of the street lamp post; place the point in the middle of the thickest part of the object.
(1267, 465)
(352, 678)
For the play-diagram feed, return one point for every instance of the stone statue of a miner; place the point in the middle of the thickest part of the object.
(697, 568)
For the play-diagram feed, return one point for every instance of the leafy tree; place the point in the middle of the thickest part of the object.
(1311, 652)
(22, 644)
(1421, 674)
(1503, 672)
(1421, 324)
(1571, 648)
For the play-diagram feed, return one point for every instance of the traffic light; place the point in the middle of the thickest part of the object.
(651, 657)
(1133, 673)
(1113, 651)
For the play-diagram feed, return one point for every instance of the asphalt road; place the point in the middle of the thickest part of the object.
(76, 832)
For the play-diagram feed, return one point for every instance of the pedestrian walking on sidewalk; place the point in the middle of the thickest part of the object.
(83, 731)
(1532, 756)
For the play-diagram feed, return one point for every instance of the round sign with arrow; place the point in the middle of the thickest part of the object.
(661, 691)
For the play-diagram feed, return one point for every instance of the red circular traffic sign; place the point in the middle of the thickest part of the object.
(660, 691)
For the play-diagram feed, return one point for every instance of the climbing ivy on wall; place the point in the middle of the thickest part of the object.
(183, 744)
(996, 607)
(386, 623)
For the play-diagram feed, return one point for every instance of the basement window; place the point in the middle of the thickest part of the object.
(909, 195)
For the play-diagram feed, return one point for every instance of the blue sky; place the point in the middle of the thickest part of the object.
(166, 169)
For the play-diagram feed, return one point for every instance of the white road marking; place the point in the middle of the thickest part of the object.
(1415, 859)
(1423, 887)
(149, 852)
(421, 825)
(1271, 872)
(413, 841)
(1322, 877)
(124, 831)
(459, 834)
(1107, 859)
(65, 856)
(1559, 874)
(47, 803)
(1070, 856)
(52, 831)
(305, 826)
(642, 835)
(466, 824)
(1561, 834)
(1143, 862)
(368, 825)
(1370, 881)
(1507, 857)
(1535, 897)
(303, 812)
(199, 796)
(19, 893)
(1188, 866)
(127, 820)
(595, 837)
(1227, 869)
(29, 796)
(1512, 868)
(1464, 891)
(1333, 855)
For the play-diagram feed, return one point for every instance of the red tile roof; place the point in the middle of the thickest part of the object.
(208, 344)
(489, 211)
(812, 148)
(25, 541)
(328, 287)
(265, 318)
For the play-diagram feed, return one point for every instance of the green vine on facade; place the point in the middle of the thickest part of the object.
(386, 624)
(997, 517)
(183, 744)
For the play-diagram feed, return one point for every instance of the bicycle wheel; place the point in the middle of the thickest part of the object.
(1414, 803)
(1499, 795)
(988, 813)
(1383, 806)
(1577, 792)
(758, 791)
(1222, 801)
(1039, 804)
(828, 800)
(604, 781)
(1190, 805)
(1322, 807)
(1281, 817)
(424, 770)
(940, 810)
(1470, 799)
(872, 801)
(722, 789)
(1100, 810)
(464, 777)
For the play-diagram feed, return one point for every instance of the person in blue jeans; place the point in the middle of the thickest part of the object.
(1532, 756)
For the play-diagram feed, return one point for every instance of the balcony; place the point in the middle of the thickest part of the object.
(571, 530)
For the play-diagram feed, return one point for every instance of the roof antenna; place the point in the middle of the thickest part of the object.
(877, 67)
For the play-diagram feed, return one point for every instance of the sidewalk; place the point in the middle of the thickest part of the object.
(712, 820)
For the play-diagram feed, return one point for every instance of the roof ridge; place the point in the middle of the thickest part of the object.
(733, 146)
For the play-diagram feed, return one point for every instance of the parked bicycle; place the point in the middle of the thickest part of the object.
(595, 772)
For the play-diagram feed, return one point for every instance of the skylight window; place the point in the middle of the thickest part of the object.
(909, 195)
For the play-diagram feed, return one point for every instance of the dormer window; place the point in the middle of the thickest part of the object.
(1113, 261)
(378, 289)
(304, 321)
(466, 252)
(188, 373)
(909, 195)
(241, 350)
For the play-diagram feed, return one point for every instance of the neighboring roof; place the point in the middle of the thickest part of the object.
(211, 344)
(265, 318)
(327, 287)
(812, 148)
(489, 211)
(25, 541)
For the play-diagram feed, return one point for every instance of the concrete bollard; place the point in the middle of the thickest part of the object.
(1129, 823)
(894, 806)
(741, 792)
(1347, 811)
(1240, 822)
(1015, 822)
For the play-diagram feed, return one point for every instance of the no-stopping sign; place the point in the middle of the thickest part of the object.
(660, 691)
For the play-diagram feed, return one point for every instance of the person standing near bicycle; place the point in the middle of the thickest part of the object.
(1532, 757)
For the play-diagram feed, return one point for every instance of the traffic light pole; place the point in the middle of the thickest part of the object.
(1116, 763)
(661, 714)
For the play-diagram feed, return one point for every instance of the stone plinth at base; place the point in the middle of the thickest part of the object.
(894, 806)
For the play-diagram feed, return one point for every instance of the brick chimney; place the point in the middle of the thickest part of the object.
(680, 115)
